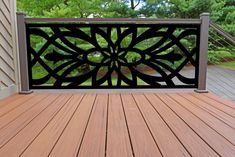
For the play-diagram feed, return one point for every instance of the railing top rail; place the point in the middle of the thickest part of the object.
(113, 21)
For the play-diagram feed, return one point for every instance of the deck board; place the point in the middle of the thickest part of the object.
(94, 140)
(118, 143)
(70, 140)
(117, 124)
(16, 112)
(141, 138)
(211, 137)
(53, 130)
(225, 105)
(6, 101)
(20, 142)
(163, 136)
(14, 104)
(190, 139)
(217, 125)
(226, 118)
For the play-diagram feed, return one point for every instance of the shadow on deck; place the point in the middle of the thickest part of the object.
(122, 125)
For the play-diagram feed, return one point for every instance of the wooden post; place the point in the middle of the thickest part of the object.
(23, 59)
(203, 52)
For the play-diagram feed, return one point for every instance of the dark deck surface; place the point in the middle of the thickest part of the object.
(221, 82)
(117, 125)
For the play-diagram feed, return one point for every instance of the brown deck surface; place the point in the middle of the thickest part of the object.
(117, 125)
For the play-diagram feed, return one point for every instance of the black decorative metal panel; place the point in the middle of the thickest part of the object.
(112, 55)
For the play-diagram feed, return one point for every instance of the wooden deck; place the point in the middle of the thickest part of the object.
(117, 125)
(220, 81)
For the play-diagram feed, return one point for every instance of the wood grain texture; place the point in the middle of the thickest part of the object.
(53, 130)
(219, 126)
(164, 136)
(93, 143)
(7, 100)
(214, 111)
(14, 104)
(113, 125)
(118, 142)
(22, 140)
(16, 112)
(70, 141)
(223, 102)
(142, 140)
(17, 124)
(217, 142)
(186, 135)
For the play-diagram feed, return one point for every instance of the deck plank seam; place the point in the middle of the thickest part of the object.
(201, 120)
(80, 145)
(210, 112)
(167, 125)
(222, 84)
(220, 102)
(224, 74)
(23, 112)
(3, 102)
(216, 88)
(147, 125)
(128, 129)
(28, 99)
(189, 126)
(106, 129)
(233, 116)
(23, 127)
(78, 106)
(45, 125)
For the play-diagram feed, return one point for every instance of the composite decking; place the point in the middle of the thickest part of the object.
(220, 81)
(117, 125)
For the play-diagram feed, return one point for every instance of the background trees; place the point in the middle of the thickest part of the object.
(222, 11)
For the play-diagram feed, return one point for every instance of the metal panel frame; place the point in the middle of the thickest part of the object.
(204, 21)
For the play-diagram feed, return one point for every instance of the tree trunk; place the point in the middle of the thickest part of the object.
(132, 4)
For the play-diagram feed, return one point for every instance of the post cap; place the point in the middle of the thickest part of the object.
(20, 13)
(204, 14)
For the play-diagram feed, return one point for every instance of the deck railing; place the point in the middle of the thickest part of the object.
(112, 53)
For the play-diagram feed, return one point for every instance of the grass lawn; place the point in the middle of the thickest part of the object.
(228, 65)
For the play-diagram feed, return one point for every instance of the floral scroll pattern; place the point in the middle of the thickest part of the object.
(111, 56)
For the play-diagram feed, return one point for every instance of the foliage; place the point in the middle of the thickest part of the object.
(222, 54)
(229, 65)
(221, 12)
